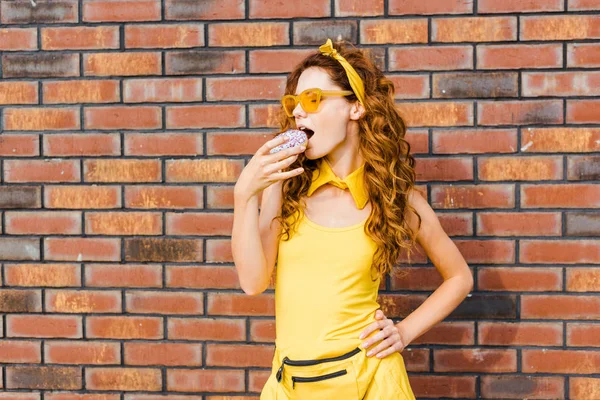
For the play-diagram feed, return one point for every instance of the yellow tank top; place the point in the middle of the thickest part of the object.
(324, 291)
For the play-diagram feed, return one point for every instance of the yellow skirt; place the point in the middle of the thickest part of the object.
(350, 376)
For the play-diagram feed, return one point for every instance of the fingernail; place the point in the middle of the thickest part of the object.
(364, 345)
(369, 354)
(362, 336)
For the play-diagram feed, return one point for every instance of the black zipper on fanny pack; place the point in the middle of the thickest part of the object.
(305, 363)
(317, 378)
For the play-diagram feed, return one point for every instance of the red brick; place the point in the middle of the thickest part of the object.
(443, 386)
(560, 307)
(218, 251)
(518, 224)
(265, 115)
(40, 119)
(487, 251)
(130, 170)
(584, 335)
(121, 11)
(14, 301)
(582, 168)
(520, 279)
(418, 140)
(86, 249)
(88, 352)
(207, 170)
(205, 62)
(88, 301)
(520, 334)
(14, 39)
(583, 5)
(522, 387)
(19, 248)
(46, 377)
(436, 114)
(202, 277)
(162, 90)
(560, 27)
(450, 333)
(219, 197)
(54, 275)
(82, 197)
(45, 11)
(561, 361)
(84, 91)
(123, 275)
(140, 302)
(236, 89)
(583, 280)
(248, 34)
(205, 116)
(241, 355)
(475, 360)
(457, 224)
(474, 29)
(124, 327)
(214, 329)
(475, 84)
(583, 388)
(560, 196)
(42, 171)
(170, 354)
(399, 305)
(235, 143)
(394, 31)
(520, 112)
(275, 61)
(130, 117)
(560, 140)
(34, 222)
(430, 7)
(430, 58)
(473, 196)
(583, 111)
(157, 144)
(18, 93)
(349, 8)
(315, 32)
(520, 168)
(444, 169)
(266, 9)
(519, 56)
(417, 360)
(124, 379)
(171, 197)
(240, 304)
(583, 223)
(204, 224)
(44, 326)
(207, 10)
(40, 65)
(410, 86)
(535, 84)
(80, 38)
(586, 55)
(561, 252)
(519, 6)
(164, 249)
(88, 144)
(164, 36)
(19, 145)
(123, 64)
(20, 352)
(474, 141)
(262, 330)
(123, 223)
(201, 380)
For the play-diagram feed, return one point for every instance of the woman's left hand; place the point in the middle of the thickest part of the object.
(389, 338)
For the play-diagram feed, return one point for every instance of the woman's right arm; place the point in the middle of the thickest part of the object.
(254, 238)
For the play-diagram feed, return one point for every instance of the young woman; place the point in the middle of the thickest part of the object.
(335, 217)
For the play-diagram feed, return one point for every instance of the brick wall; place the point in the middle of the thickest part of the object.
(124, 125)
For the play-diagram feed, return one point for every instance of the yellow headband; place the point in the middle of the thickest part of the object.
(355, 82)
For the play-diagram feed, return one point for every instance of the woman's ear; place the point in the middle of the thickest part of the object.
(357, 111)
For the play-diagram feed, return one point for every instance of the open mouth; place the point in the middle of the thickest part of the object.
(309, 132)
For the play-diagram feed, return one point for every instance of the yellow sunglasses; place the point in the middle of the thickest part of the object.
(309, 99)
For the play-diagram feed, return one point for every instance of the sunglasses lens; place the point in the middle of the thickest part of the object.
(289, 103)
(310, 100)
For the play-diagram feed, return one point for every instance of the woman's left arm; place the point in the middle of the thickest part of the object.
(458, 282)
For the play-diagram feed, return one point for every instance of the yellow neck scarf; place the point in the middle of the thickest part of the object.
(355, 82)
(355, 182)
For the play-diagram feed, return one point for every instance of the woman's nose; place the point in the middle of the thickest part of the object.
(299, 111)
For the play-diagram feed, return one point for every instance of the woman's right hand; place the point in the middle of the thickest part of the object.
(265, 169)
